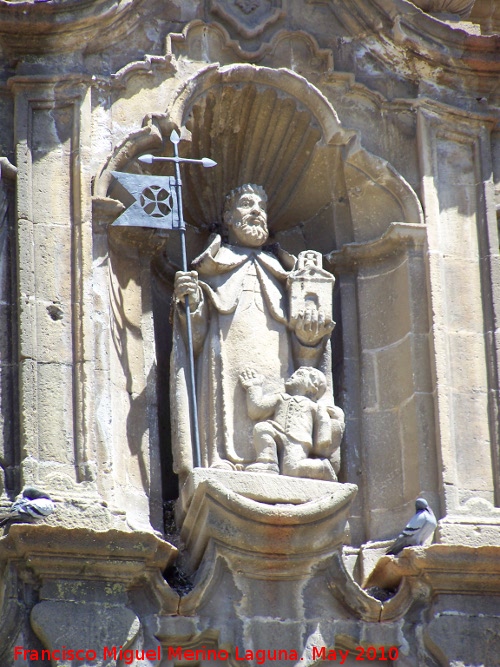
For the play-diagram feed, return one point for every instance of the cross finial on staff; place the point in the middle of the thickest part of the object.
(158, 204)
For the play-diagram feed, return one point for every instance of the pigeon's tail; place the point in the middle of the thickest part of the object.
(395, 548)
(26, 510)
(406, 539)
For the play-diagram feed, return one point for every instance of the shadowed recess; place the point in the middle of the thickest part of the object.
(256, 136)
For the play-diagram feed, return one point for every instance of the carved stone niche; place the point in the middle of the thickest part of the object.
(272, 128)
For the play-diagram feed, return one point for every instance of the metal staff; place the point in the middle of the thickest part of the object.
(206, 162)
(154, 207)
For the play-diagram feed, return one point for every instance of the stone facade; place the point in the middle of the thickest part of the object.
(373, 126)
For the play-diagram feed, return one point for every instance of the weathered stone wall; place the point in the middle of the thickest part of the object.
(373, 126)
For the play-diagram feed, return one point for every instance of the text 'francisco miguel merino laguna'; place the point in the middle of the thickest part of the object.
(261, 656)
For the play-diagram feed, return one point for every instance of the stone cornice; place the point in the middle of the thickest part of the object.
(55, 552)
(389, 28)
(422, 47)
(444, 568)
(63, 25)
(399, 235)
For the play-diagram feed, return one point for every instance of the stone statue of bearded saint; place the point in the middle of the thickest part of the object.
(237, 294)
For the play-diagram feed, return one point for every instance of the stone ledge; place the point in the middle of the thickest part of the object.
(442, 568)
(60, 553)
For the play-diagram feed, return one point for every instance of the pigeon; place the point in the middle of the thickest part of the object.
(33, 504)
(419, 528)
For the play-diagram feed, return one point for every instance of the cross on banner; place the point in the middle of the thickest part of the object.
(158, 199)
(155, 202)
(158, 204)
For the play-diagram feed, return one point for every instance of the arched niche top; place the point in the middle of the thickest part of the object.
(286, 82)
(274, 128)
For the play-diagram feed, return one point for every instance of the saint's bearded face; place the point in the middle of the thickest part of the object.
(248, 221)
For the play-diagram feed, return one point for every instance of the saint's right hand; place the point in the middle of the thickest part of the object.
(186, 284)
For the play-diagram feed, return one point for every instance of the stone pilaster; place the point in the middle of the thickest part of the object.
(54, 262)
(389, 403)
(9, 440)
(458, 197)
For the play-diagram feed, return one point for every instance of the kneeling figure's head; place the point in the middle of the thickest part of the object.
(306, 381)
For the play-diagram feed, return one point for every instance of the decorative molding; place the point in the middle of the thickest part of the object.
(287, 47)
(445, 568)
(148, 66)
(470, 121)
(71, 25)
(56, 552)
(437, 55)
(209, 42)
(86, 578)
(398, 237)
(249, 17)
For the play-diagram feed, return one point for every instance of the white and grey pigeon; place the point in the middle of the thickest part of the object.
(419, 528)
(32, 505)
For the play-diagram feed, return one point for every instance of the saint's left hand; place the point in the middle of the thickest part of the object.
(311, 326)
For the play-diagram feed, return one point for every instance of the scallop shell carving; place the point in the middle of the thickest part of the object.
(255, 135)
(461, 7)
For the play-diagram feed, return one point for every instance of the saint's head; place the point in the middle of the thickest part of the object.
(245, 216)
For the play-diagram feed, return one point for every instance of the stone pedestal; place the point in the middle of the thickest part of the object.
(249, 516)
(265, 554)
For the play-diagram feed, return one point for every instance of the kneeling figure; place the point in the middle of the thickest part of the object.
(302, 434)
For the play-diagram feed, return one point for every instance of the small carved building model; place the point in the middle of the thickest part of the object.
(310, 285)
